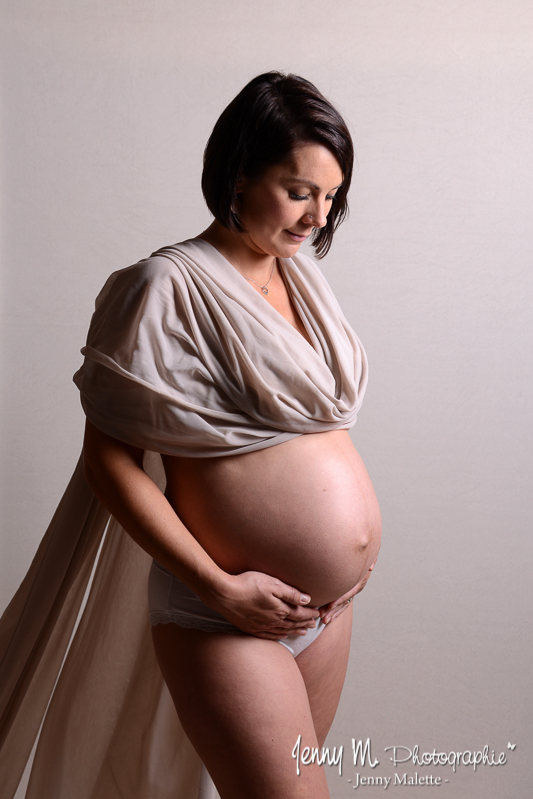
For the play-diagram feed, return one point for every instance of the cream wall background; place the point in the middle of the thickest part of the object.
(106, 109)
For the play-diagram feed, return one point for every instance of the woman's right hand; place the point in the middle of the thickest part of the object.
(263, 606)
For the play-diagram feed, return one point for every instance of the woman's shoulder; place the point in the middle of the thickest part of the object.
(162, 271)
(153, 288)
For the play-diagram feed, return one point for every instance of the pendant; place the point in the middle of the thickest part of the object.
(264, 290)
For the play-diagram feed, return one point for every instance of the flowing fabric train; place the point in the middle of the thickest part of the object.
(110, 730)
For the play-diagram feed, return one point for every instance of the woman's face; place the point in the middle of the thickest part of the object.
(281, 208)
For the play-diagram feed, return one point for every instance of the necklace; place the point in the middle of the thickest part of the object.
(263, 288)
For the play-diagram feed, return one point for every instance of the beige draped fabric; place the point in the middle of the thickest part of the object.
(183, 357)
(111, 731)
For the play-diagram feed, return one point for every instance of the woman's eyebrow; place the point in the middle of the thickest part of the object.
(310, 183)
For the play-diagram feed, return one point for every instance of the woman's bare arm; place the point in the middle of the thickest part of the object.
(254, 602)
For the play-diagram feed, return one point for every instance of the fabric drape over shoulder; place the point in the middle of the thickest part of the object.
(183, 357)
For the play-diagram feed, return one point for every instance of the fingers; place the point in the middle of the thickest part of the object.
(291, 595)
(295, 625)
(343, 601)
(347, 597)
(299, 613)
(290, 624)
(264, 606)
(336, 610)
(278, 635)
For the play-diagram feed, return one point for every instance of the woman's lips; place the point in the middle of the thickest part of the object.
(297, 236)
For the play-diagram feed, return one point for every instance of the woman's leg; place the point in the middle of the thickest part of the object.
(243, 703)
(323, 668)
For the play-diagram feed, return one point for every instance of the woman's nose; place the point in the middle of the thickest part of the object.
(318, 215)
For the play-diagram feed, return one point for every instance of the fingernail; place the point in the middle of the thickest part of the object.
(304, 599)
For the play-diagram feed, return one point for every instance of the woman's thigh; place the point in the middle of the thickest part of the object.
(323, 667)
(243, 703)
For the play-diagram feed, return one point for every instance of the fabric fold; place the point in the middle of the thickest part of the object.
(110, 729)
(185, 358)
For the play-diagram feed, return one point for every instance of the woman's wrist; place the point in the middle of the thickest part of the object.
(214, 586)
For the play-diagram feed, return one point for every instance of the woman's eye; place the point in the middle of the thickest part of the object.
(294, 196)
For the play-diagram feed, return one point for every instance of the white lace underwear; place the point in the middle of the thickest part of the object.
(171, 602)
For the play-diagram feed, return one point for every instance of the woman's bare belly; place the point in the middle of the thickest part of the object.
(304, 511)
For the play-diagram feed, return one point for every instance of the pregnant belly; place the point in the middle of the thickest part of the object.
(303, 511)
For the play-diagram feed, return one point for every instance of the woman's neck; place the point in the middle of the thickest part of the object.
(240, 252)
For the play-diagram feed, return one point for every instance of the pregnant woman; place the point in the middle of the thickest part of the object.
(229, 356)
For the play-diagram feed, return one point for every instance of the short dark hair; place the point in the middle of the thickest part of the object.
(262, 126)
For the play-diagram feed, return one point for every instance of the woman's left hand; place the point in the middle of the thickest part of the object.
(333, 609)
